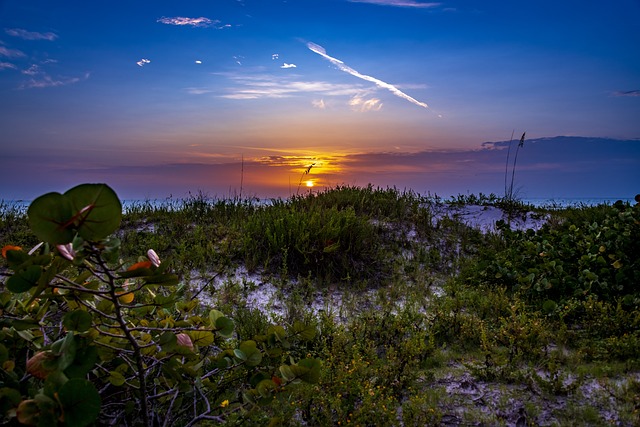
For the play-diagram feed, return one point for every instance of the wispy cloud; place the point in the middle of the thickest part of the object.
(11, 53)
(627, 93)
(193, 22)
(343, 67)
(398, 3)
(30, 35)
(267, 86)
(7, 66)
(285, 65)
(32, 71)
(198, 90)
(43, 80)
(319, 103)
(143, 62)
(358, 103)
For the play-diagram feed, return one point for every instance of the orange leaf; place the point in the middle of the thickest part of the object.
(8, 248)
(141, 264)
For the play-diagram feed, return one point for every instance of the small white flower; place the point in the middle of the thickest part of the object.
(67, 251)
(153, 257)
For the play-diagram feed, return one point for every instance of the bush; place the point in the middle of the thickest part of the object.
(119, 341)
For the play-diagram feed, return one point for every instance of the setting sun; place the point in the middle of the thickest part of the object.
(309, 183)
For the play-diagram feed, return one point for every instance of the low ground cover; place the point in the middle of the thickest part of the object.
(405, 312)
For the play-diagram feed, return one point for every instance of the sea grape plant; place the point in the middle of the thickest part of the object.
(86, 335)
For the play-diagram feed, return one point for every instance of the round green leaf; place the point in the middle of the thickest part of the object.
(265, 388)
(312, 375)
(201, 338)
(249, 349)
(80, 401)
(97, 210)
(24, 280)
(224, 326)
(77, 320)
(49, 217)
(116, 378)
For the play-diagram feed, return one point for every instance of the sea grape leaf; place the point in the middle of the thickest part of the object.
(49, 217)
(93, 211)
(80, 401)
(77, 320)
(201, 338)
(97, 210)
(25, 279)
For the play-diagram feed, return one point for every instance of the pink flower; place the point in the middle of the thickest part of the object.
(67, 251)
(184, 340)
(153, 257)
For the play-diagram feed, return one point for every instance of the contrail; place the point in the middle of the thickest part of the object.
(341, 65)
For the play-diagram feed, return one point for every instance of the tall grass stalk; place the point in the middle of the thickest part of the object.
(506, 165)
(306, 172)
(509, 193)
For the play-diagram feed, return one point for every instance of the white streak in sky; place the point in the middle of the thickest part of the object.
(181, 20)
(194, 22)
(11, 53)
(198, 62)
(285, 65)
(7, 65)
(341, 65)
(143, 62)
(30, 35)
(398, 3)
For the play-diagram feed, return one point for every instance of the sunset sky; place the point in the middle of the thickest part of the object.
(159, 98)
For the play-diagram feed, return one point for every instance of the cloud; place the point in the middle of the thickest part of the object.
(285, 65)
(44, 80)
(32, 71)
(358, 103)
(319, 103)
(627, 93)
(143, 62)
(267, 86)
(7, 66)
(11, 53)
(193, 22)
(198, 90)
(275, 56)
(398, 3)
(341, 66)
(30, 35)
(198, 62)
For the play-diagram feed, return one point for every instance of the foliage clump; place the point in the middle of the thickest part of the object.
(448, 324)
(121, 341)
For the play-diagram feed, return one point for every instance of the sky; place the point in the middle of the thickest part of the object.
(271, 98)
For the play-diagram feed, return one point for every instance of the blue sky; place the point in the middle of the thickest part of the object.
(164, 97)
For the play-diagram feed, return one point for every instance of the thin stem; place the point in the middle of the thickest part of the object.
(515, 160)
(506, 166)
(137, 353)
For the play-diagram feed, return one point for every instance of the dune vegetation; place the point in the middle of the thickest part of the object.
(351, 306)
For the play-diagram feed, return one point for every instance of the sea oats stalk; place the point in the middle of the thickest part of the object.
(509, 192)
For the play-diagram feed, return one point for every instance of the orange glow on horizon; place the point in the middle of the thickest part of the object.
(309, 183)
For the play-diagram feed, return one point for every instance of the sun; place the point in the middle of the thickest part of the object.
(309, 183)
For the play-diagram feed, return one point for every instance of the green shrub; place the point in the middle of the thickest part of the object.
(103, 338)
